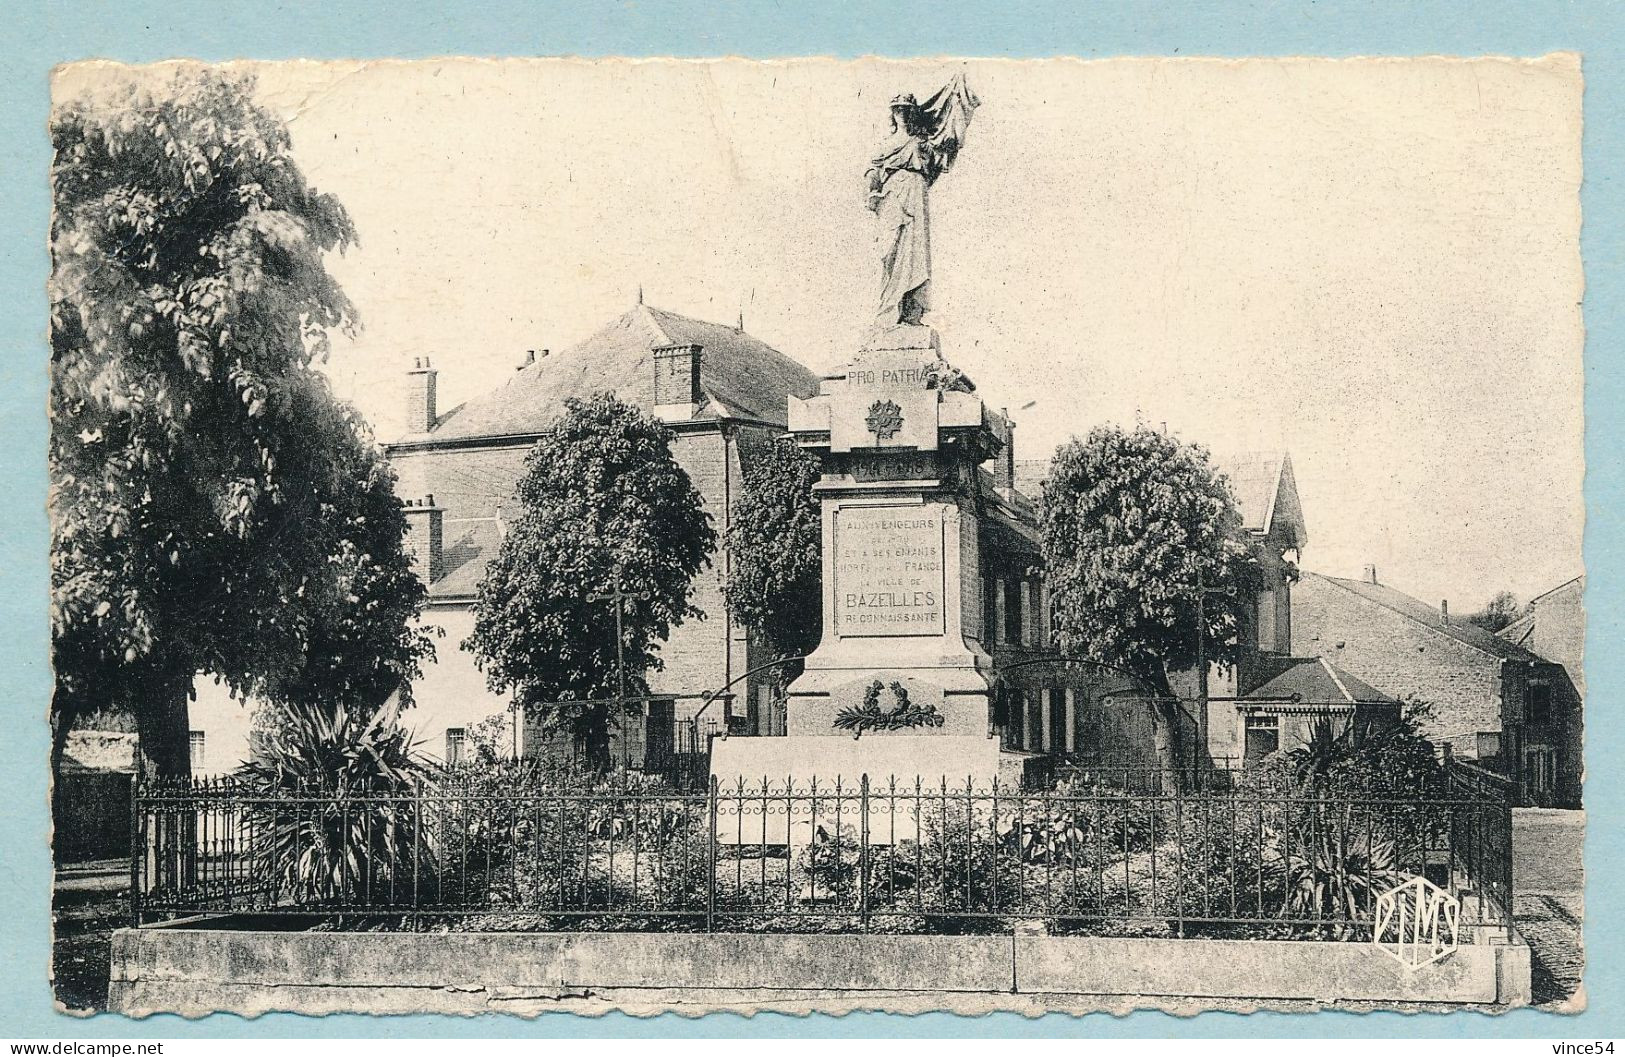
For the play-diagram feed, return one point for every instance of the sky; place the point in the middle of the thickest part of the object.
(1372, 264)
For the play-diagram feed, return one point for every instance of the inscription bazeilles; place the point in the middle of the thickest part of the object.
(889, 572)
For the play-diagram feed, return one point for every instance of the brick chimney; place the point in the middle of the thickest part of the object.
(1444, 611)
(677, 382)
(1370, 575)
(420, 411)
(425, 527)
(530, 358)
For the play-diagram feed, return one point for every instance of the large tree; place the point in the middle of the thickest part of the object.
(602, 504)
(775, 549)
(354, 614)
(214, 508)
(1137, 524)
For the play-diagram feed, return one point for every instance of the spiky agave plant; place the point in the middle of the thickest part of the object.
(1323, 755)
(336, 819)
(1332, 872)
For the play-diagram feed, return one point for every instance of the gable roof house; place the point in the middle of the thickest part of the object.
(719, 389)
(1280, 712)
(1493, 700)
(1555, 628)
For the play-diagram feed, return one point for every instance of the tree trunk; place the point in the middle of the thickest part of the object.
(65, 709)
(158, 699)
(1167, 736)
(1170, 747)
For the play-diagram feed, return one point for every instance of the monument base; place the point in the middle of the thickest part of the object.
(901, 337)
(779, 791)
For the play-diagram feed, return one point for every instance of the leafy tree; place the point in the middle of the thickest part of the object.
(1135, 523)
(492, 739)
(1502, 609)
(775, 546)
(214, 508)
(601, 496)
(355, 622)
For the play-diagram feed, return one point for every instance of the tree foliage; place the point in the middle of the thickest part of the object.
(214, 507)
(1135, 524)
(775, 549)
(1502, 609)
(601, 496)
(355, 618)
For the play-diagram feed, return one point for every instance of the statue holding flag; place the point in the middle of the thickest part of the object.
(925, 139)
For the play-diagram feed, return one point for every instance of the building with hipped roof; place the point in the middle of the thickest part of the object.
(720, 391)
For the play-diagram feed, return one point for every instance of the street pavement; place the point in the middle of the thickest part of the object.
(1548, 895)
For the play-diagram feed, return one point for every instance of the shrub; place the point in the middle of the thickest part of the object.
(544, 837)
(966, 867)
(348, 826)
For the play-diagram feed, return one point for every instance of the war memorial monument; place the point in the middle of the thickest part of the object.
(900, 689)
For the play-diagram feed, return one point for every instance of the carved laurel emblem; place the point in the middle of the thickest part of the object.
(885, 419)
(903, 715)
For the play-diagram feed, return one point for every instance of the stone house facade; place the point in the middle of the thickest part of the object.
(1555, 628)
(1494, 701)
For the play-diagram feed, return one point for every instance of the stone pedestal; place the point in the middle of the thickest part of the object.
(899, 687)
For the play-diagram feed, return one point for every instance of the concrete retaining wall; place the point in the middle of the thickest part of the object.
(1485, 974)
(194, 971)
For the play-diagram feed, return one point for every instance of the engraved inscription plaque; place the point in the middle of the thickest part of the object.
(888, 571)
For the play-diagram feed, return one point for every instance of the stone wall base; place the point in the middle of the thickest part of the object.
(193, 971)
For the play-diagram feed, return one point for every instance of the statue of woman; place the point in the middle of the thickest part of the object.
(924, 141)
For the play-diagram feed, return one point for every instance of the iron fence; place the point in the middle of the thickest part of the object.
(848, 856)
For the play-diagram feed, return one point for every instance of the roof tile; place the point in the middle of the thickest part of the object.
(1461, 630)
(740, 375)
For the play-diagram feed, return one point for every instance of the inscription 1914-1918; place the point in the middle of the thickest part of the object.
(875, 467)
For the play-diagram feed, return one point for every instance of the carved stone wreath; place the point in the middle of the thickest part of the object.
(902, 716)
(885, 419)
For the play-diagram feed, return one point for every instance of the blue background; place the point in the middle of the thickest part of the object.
(43, 35)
